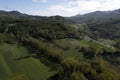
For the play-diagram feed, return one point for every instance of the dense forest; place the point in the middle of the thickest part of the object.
(71, 49)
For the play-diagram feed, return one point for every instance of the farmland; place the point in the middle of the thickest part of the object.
(24, 69)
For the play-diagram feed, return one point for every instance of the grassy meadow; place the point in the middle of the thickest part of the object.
(23, 69)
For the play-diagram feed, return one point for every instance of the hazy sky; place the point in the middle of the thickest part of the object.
(58, 7)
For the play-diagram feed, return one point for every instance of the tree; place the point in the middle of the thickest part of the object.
(108, 75)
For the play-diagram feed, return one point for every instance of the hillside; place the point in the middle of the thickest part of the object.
(96, 16)
(101, 24)
(55, 48)
(18, 15)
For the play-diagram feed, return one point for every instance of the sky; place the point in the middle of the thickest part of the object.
(58, 7)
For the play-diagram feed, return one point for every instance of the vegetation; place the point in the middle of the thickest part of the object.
(101, 24)
(54, 48)
(23, 69)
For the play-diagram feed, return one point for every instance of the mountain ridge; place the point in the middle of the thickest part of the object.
(96, 16)
(90, 13)
(19, 15)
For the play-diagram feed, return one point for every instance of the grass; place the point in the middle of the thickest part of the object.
(2, 70)
(97, 45)
(5, 65)
(72, 44)
(24, 69)
(73, 53)
(8, 63)
(34, 69)
(107, 41)
(18, 77)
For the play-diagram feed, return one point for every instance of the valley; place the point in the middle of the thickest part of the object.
(59, 48)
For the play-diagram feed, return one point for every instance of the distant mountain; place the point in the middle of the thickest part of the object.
(19, 15)
(16, 14)
(96, 16)
(102, 24)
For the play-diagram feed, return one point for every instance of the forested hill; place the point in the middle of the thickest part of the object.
(49, 28)
(96, 16)
(18, 15)
(97, 25)
(56, 48)
(102, 24)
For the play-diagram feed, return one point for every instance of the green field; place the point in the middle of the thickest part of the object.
(23, 69)
(73, 44)
(14, 65)
(34, 69)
